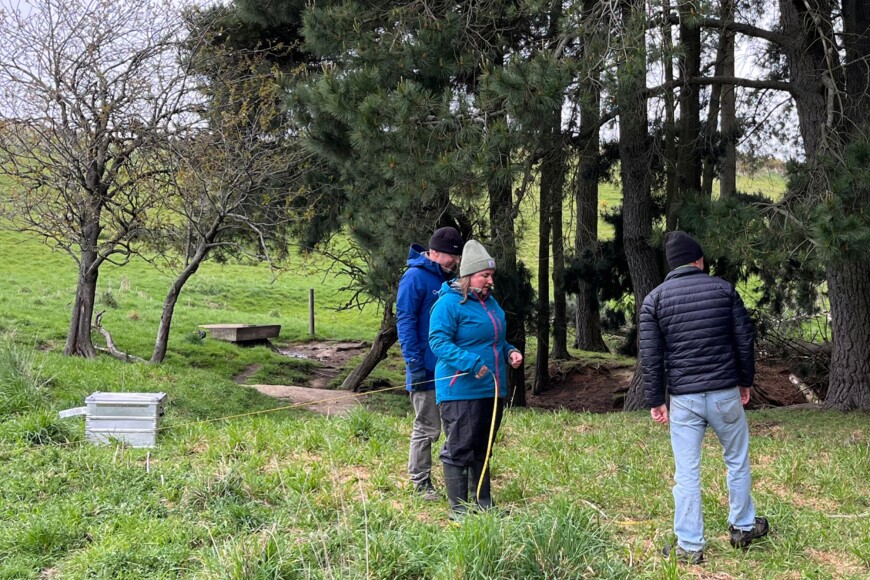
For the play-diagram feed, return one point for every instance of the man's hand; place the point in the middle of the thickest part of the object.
(515, 359)
(482, 372)
(418, 380)
(744, 395)
(659, 414)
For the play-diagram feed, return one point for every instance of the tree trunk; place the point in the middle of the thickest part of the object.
(560, 298)
(386, 337)
(504, 248)
(709, 166)
(587, 321)
(832, 110)
(856, 40)
(849, 279)
(550, 168)
(808, 68)
(635, 164)
(588, 316)
(78, 340)
(670, 134)
(849, 292)
(162, 342)
(688, 157)
(729, 130)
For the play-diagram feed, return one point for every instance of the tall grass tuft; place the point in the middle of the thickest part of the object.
(40, 427)
(363, 425)
(23, 379)
(561, 540)
(268, 555)
(568, 541)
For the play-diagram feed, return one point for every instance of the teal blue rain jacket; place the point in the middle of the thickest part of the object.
(465, 337)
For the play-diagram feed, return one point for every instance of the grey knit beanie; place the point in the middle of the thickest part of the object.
(474, 259)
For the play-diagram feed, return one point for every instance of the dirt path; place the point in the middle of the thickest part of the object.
(332, 356)
(323, 401)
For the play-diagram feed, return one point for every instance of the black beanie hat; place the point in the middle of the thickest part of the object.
(447, 240)
(682, 249)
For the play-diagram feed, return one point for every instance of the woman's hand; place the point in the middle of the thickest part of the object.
(515, 359)
(482, 372)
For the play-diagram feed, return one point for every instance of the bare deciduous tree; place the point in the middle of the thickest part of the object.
(90, 95)
(233, 177)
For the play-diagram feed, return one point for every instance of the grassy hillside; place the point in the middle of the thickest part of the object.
(289, 494)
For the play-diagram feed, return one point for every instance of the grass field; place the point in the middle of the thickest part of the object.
(290, 494)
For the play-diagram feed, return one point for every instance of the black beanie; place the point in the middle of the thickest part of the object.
(447, 240)
(682, 249)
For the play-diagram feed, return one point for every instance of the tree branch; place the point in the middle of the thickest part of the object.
(732, 26)
(110, 344)
(734, 81)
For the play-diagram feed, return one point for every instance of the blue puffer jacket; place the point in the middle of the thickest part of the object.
(694, 332)
(465, 337)
(418, 291)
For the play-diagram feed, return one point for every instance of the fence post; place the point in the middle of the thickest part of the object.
(311, 311)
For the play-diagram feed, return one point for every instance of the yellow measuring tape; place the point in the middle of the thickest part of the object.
(491, 436)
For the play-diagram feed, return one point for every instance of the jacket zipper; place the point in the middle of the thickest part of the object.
(494, 337)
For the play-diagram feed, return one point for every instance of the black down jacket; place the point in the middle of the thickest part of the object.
(695, 335)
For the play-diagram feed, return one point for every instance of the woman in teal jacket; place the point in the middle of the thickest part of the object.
(467, 335)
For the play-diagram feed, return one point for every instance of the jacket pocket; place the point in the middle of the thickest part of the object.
(730, 409)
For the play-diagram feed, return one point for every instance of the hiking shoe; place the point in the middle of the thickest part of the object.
(428, 491)
(742, 538)
(684, 556)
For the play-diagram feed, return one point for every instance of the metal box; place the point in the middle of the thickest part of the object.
(133, 418)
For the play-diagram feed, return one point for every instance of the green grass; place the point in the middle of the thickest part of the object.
(296, 495)
(290, 494)
(768, 183)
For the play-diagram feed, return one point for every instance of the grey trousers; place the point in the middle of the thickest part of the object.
(427, 429)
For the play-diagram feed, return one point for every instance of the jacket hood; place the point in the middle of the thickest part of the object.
(417, 259)
(447, 288)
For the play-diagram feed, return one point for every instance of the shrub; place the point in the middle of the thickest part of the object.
(196, 337)
(108, 299)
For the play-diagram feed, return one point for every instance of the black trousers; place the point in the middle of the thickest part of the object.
(466, 429)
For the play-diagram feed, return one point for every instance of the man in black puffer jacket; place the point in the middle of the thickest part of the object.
(696, 338)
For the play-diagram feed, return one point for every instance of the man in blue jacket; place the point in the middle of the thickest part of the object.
(696, 338)
(418, 291)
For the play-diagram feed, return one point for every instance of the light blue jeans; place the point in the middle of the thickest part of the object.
(689, 417)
